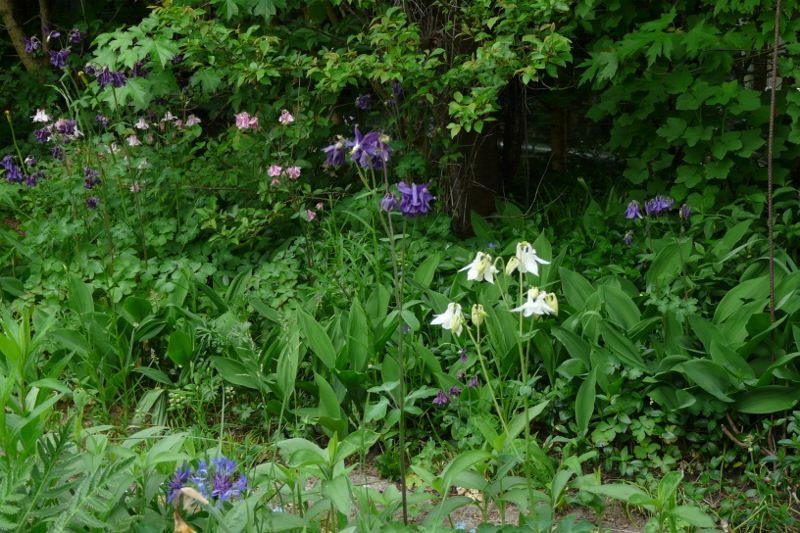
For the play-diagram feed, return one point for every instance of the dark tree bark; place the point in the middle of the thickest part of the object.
(16, 34)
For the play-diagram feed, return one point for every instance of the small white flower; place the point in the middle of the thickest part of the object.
(41, 116)
(512, 265)
(535, 305)
(191, 120)
(528, 260)
(481, 268)
(133, 140)
(142, 124)
(452, 319)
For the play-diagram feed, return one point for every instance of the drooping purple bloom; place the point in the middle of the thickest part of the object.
(364, 102)
(176, 60)
(12, 170)
(74, 36)
(57, 152)
(633, 211)
(89, 69)
(42, 135)
(50, 34)
(67, 127)
(658, 205)
(473, 382)
(91, 202)
(441, 398)
(32, 44)
(628, 238)
(416, 199)
(102, 121)
(138, 70)
(177, 482)
(454, 390)
(58, 58)
(109, 77)
(370, 150)
(335, 153)
(33, 179)
(685, 212)
(30, 161)
(389, 202)
(462, 355)
(92, 178)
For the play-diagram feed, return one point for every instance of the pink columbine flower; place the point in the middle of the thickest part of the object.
(142, 124)
(192, 120)
(286, 118)
(133, 140)
(320, 206)
(246, 122)
(274, 171)
(275, 182)
(310, 214)
(292, 172)
(41, 116)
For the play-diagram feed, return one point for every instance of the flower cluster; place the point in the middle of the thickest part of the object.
(217, 480)
(15, 174)
(415, 199)
(654, 207)
(482, 268)
(106, 76)
(58, 58)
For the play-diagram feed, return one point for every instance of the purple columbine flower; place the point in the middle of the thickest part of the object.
(67, 127)
(91, 202)
(102, 121)
(473, 382)
(176, 60)
(628, 238)
(658, 205)
(13, 172)
(178, 481)
(364, 102)
(454, 391)
(109, 77)
(32, 44)
(335, 153)
(30, 161)
(633, 211)
(441, 398)
(57, 152)
(42, 135)
(74, 37)
(462, 355)
(59, 58)
(685, 212)
(92, 178)
(50, 34)
(33, 179)
(89, 69)
(389, 202)
(416, 199)
(138, 70)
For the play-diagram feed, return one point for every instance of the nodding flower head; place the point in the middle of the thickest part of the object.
(286, 118)
(415, 200)
(58, 58)
(364, 102)
(32, 44)
(389, 202)
(633, 211)
(685, 212)
(335, 153)
(441, 398)
(658, 205)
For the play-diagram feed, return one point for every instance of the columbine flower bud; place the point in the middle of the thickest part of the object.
(552, 301)
(512, 265)
(478, 314)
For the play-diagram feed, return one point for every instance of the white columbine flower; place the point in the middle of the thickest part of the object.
(41, 116)
(528, 260)
(481, 268)
(451, 319)
(536, 304)
(141, 124)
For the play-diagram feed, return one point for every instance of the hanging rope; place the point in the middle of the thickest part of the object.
(770, 156)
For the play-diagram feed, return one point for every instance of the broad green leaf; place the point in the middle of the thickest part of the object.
(462, 462)
(576, 289)
(288, 362)
(768, 399)
(426, 271)
(692, 515)
(622, 348)
(576, 346)
(517, 424)
(709, 376)
(620, 306)
(317, 339)
(180, 347)
(358, 345)
(584, 403)
(80, 296)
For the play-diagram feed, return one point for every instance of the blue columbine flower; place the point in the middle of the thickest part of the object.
(57, 152)
(416, 199)
(109, 77)
(92, 178)
(75, 37)
(441, 398)
(633, 211)
(91, 202)
(58, 58)
(628, 238)
(685, 212)
(42, 135)
(454, 391)
(658, 205)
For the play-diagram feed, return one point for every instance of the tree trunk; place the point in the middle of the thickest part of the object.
(16, 34)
